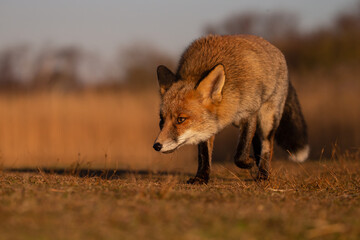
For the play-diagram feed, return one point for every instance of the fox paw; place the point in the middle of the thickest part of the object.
(245, 164)
(262, 175)
(197, 180)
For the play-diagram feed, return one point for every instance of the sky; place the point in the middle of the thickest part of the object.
(108, 26)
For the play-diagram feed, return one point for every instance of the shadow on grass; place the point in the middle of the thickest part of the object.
(101, 173)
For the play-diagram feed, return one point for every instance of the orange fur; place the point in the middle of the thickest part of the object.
(222, 80)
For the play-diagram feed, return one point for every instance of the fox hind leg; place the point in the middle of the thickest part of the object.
(264, 162)
(204, 162)
(263, 142)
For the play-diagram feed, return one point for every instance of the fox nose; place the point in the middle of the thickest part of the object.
(157, 146)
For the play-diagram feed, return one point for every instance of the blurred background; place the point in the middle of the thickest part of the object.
(78, 78)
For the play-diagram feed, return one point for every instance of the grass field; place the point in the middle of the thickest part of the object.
(99, 130)
(314, 200)
(56, 150)
(117, 129)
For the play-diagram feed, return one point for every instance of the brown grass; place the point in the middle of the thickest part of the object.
(315, 200)
(108, 130)
(115, 130)
(329, 99)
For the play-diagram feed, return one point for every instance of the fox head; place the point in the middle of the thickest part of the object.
(188, 109)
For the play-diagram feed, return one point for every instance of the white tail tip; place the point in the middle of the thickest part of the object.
(301, 155)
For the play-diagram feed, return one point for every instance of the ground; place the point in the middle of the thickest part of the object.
(314, 200)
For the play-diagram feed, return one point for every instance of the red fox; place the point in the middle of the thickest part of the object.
(240, 80)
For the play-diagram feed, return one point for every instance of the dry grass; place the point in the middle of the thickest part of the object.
(330, 100)
(107, 130)
(117, 129)
(319, 199)
(315, 200)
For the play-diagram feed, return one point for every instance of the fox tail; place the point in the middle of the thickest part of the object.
(291, 134)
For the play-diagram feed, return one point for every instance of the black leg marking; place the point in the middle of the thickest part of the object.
(204, 162)
(256, 142)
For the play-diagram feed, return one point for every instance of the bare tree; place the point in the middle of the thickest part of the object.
(57, 69)
(10, 63)
(270, 26)
(139, 64)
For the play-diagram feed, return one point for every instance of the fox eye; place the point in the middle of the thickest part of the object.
(180, 120)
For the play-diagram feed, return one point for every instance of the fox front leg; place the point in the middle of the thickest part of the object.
(204, 162)
(242, 156)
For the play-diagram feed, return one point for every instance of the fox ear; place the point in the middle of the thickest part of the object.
(165, 77)
(211, 86)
